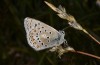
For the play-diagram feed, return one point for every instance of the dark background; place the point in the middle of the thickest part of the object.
(14, 49)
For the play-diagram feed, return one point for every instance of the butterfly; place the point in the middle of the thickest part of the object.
(42, 36)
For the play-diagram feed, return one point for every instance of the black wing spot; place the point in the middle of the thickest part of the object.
(34, 30)
(36, 33)
(42, 43)
(48, 37)
(38, 28)
(37, 38)
(40, 31)
(30, 26)
(42, 27)
(35, 25)
(45, 30)
(34, 42)
(48, 40)
(50, 32)
(46, 45)
(31, 20)
(29, 38)
(38, 23)
(39, 41)
(32, 36)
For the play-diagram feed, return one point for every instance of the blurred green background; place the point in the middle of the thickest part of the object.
(14, 49)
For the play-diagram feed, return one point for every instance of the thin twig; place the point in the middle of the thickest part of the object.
(91, 36)
(87, 54)
(62, 50)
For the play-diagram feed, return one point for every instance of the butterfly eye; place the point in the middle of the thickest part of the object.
(63, 32)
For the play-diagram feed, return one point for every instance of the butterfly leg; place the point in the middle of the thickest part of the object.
(58, 49)
(62, 50)
(54, 49)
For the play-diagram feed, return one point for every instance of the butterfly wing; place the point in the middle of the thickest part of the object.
(40, 35)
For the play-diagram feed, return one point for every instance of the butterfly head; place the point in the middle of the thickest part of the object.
(62, 32)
